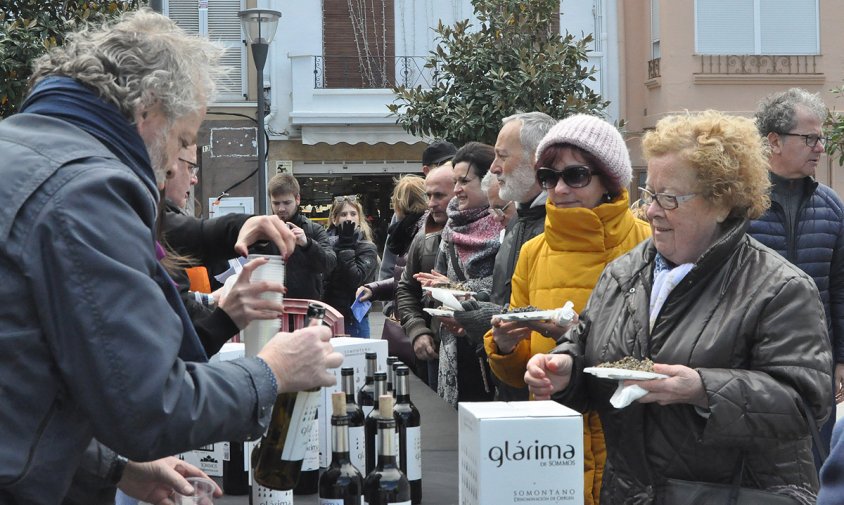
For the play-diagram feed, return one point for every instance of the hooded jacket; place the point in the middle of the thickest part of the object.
(751, 324)
(564, 264)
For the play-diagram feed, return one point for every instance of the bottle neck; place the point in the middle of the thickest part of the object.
(371, 367)
(349, 388)
(380, 389)
(340, 437)
(387, 443)
(402, 389)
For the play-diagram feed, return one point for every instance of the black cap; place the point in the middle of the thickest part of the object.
(438, 152)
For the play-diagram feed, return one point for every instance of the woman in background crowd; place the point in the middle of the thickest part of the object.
(357, 261)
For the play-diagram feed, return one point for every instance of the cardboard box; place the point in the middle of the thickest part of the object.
(354, 355)
(520, 453)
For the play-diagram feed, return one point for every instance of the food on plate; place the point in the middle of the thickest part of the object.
(630, 363)
(515, 310)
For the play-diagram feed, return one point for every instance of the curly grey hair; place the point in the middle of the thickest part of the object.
(777, 112)
(137, 61)
(534, 127)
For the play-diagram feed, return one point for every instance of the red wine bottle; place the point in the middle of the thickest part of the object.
(386, 484)
(357, 440)
(341, 483)
(371, 426)
(391, 379)
(235, 473)
(366, 395)
(408, 427)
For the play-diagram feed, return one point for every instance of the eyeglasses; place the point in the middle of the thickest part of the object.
(345, 198)
(194, 168)
(499, 212)
(810, 139)
(664, 200)
(575, 176)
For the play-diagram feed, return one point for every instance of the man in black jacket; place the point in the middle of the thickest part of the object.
(515, 157)
(314, 257)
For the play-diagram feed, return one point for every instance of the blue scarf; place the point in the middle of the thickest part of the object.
(66, 99)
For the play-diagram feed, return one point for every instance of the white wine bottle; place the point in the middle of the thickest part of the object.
(386, 484)
(408, 427)
(283, 448)
(341, 483)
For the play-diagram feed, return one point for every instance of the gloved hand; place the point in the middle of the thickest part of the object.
(475, 318)
(346, 235)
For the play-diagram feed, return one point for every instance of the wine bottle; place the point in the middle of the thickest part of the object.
(391, 379)
(366, 395)
(260, 495)
(386, 484)
(341, 483)
(235, 474)
(357, 444)
(408, 422)
(309, 476)
(283, 447)
(371, 425)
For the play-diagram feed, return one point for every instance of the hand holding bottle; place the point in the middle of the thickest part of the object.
(300, 359)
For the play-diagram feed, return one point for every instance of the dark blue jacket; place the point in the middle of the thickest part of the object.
(816, 246)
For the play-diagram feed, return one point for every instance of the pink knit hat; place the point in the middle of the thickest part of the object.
(597, 137)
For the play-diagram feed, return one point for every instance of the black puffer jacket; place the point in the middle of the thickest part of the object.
(752, 325)
(357, 264)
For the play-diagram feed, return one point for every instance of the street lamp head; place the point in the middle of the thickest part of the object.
(259, 24)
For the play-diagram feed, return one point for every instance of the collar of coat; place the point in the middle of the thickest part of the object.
(581, 229)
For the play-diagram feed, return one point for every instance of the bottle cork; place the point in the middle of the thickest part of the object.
(338, 403)
(385, 406)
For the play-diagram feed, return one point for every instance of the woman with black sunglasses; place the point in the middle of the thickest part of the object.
(584, 166)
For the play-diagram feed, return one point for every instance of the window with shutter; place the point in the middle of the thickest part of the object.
(780, 27)
(218, 20)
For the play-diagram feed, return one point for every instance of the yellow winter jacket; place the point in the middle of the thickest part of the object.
(562, 264)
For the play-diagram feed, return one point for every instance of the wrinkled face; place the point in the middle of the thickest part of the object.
(791, 157)
(284, 205)
(564, 196)
(467, 187)
(164, 139)
(439, 189)
(502, 210)
(512, 167)
(683, 234)
(181, 177)
(347, 214)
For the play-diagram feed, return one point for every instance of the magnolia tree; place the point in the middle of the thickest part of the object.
(515, 60)
(29, 27)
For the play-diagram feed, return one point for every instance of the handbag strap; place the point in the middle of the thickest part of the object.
(813, 428)
(452, 255)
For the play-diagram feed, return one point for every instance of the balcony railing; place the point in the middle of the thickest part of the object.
(371, 72)
(754, 64)
(653, 68)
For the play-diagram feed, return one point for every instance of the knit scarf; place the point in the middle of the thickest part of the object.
(474, 233)
(67, 99)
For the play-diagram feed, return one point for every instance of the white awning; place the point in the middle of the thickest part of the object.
(356, 134)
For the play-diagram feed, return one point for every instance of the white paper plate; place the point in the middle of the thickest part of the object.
(536, 315)
(455, 292)
(623, 374)
(439, 312)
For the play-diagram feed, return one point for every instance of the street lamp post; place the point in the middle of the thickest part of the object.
(259, 25)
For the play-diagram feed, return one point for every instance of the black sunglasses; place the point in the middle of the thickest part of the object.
(575, 176)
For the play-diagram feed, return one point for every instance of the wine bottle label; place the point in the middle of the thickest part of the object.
(311, 461)
(226, 451)
(301, 424)
(266, 496)
(414, 453)
(357, 447)
(332, 501)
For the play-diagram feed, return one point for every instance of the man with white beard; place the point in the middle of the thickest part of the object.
(515, 151)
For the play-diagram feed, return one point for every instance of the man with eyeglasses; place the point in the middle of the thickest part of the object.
(805, 222)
